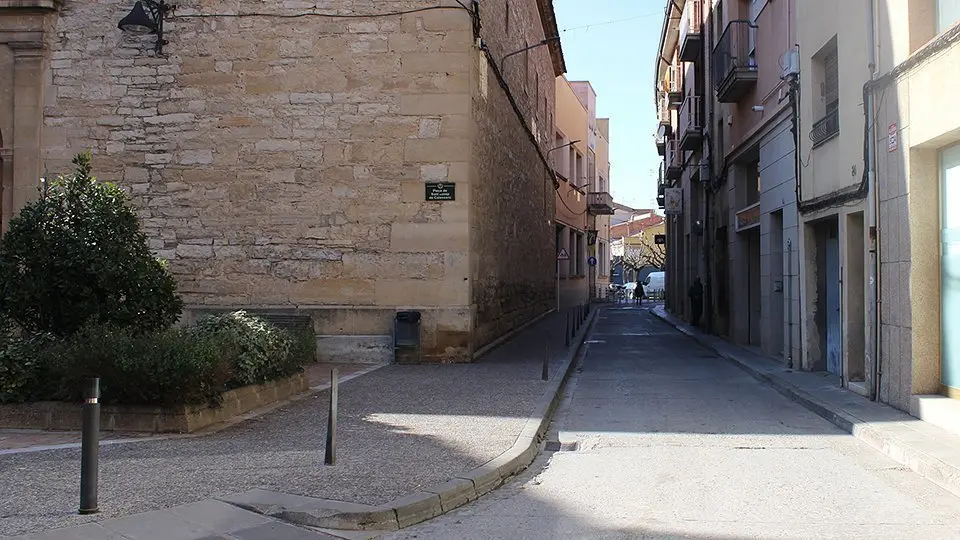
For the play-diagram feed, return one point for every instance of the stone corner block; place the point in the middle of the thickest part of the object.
(454, 493)
(381, 519)
(416, 508)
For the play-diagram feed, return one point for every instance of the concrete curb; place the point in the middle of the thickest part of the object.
(459, 490)
(942, 473)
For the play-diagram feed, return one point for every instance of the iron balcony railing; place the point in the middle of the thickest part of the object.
(663, 109)
(600, 202)
(691, 20)
(827, 127)
(673, 160)
(690, 116)
(673, 84)
(733, 52)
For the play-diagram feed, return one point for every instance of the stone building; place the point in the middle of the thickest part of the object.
(286, 156)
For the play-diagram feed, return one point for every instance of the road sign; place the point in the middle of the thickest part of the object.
(592, 261)
(563, 255)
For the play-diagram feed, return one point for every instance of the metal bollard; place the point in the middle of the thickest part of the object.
(90, 448)
(330, 455)
(545, 373)
(566, 332)
(573, 328)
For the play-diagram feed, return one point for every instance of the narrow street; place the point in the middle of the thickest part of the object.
(660, 438)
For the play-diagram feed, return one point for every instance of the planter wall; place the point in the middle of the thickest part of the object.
(54, 415)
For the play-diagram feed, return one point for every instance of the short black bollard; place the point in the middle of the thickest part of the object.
(330, 455)
(573, 328)
(90, 448)
(545, 372)
(566, 332)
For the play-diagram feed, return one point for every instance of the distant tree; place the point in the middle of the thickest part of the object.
(644, 254)
(78, 254)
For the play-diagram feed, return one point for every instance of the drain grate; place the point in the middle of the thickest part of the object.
(557, 446)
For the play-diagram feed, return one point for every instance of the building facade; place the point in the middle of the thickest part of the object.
(346, 165)
(916, 154)
(725, 134)
(834, 64)
(839, 256)
(581, 203)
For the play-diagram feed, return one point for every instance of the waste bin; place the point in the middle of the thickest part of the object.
(406, 335)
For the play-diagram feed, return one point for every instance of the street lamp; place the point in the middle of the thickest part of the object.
(525, 49)
(146, 17)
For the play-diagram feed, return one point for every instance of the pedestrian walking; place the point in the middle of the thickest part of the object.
(638, 293)
(696, 300)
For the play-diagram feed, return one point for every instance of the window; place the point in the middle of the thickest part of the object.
(827, 72)
(602, 184)
(948, 13)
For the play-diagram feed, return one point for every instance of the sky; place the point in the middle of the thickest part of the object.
(618, 60)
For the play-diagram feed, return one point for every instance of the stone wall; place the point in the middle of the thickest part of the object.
(279, 163)
(512, 239)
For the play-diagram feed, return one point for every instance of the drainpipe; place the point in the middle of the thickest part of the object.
(873, 208)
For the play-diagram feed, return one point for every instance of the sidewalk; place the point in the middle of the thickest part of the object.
(401, 429)
(932, 452)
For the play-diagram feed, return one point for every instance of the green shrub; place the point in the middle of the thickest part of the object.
(192, 365)
(78, 254)
(170, 367)
(20, 365)
(263, 351)
(303, 348)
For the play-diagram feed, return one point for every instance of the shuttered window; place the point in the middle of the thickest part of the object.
(831, 80)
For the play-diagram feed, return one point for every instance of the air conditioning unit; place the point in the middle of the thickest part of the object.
(790, 63)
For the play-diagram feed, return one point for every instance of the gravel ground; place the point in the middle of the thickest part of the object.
(400, 428)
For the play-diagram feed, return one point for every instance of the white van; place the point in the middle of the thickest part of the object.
(653, 285)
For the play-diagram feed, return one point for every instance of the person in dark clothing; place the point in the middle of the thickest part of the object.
(696, 300)
(638, 293)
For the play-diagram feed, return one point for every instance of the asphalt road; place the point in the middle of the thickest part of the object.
(663, 439)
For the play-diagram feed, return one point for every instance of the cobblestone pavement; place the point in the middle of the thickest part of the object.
(400, 428)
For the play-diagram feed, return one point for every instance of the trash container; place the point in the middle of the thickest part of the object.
(406, 335)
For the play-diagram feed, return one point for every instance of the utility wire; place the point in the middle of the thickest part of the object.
(315, 14)
(615, 21)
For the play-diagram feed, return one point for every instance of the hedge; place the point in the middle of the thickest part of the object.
(189, 365)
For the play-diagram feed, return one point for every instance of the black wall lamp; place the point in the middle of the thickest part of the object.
(146, 17)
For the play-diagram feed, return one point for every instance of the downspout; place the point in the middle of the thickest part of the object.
(873, 206)
(706, 183)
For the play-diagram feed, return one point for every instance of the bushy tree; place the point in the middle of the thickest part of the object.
(78, 254)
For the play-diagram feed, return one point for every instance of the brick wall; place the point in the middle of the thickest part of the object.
(512, 236)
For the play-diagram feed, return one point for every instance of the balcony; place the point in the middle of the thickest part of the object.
(665, 128)
(827, 127)
(691, 36)
(691, 126)
(673, 160)
(734, 67)
(661, 190)
(600, 203)
(673, 85)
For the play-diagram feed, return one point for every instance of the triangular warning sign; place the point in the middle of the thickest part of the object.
(563, 255)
